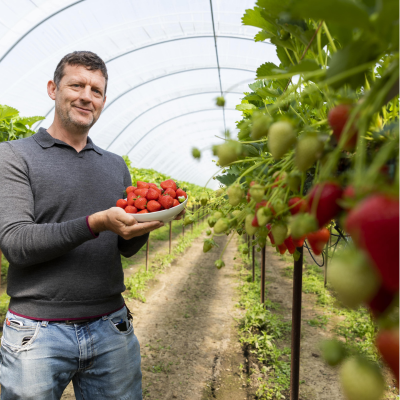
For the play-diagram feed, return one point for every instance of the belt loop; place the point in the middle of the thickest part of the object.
(45, 323)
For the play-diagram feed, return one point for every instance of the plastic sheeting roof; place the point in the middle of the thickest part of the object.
(167, 62)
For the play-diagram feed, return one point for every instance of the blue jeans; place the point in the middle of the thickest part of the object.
(40, 358)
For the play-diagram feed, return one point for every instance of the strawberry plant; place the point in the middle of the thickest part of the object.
(318, 142)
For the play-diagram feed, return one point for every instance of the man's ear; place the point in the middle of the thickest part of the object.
(51, 89)
(104, 102)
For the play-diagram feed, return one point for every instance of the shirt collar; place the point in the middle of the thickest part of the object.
(44, 139)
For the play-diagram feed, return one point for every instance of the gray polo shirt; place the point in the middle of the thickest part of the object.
(58, 268)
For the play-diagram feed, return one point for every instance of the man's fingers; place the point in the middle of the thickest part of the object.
(127, 219)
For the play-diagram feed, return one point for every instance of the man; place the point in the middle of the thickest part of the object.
(63, 237)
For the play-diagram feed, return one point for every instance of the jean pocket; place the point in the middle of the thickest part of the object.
(120, 323)
(19, 333)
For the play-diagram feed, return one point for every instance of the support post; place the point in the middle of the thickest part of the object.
(253, 260)
(263, 275)
(183, 230)
(147, 254)
(170, 237)
(296, 326)
(1, 255)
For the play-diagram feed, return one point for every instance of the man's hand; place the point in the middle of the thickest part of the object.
(116, 220)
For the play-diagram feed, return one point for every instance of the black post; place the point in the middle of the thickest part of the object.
(263, 275)
(253, 262)
(296, 326)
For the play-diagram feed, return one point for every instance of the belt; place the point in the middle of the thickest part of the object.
(80, 321)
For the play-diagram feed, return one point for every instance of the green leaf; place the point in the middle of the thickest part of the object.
(284, 43)
(268, 92)
(245, 107)
(250, 150)
(252, 97)
(227, 179)
(269, 69)
(256, 85)
(29, 120)
(283, 57)
(296, 255)
(274, 7)
(253, 17)
(354, 54)
(7, 112)
(306, 65)
(344, 12)
(262, 35)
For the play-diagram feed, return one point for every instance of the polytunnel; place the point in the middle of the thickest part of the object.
(167, 62)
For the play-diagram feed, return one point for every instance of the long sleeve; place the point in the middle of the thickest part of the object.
(130, 247)
(24, 242)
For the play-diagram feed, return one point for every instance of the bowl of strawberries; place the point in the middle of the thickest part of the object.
(148, 202)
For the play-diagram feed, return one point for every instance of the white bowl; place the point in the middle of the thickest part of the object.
(164, 215)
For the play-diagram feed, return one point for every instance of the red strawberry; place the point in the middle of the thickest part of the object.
(323, 199)
(143, 212)
(131, 200)
(140, 203)
(281, 248)
(121, 203)
(297, 204)
(171, 192)
(153, 206)
(166, 201)
(152, 194)
(141, 192)
(175, 203)
(348, 196)
(387, 342)
(318, 240)
(374, 226)
(337, 118)
(169, 183)
(299, 242)
(180, 192)
(279, 177)
(153, 185)
(142, 185)
(130, 189)
(131, 210)
(255, 222)
(381, 301)
(130, 195)
(290, 245)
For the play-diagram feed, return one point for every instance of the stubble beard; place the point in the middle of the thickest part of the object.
(71, 124)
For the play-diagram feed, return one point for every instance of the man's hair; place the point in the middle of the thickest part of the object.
(87, 59)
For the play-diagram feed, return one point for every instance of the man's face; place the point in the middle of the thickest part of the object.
(80, 97)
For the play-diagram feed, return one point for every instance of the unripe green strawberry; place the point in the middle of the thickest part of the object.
(217, 215)
(219, 264)
(302, 224)
(245, 251)
(207, 245)
(211, 221)
(260, 126)
(236, 213)
(257, 192)
(333, 352)
(208, 232)
(281, 138)
(361, 379)
(228, 152)
(196, 153)
(221, 226)
(250, 229)
(280, 232)
(278, 206)
(219, 192)
(353, 278)
(204, 199)
(264, 215)
(220, 101)
(294, 181)
(309, 149)
(235, 195)
(188, 220)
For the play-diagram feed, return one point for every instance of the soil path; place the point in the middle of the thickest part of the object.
(185, 326)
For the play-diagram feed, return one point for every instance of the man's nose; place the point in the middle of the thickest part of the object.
(86, 94)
